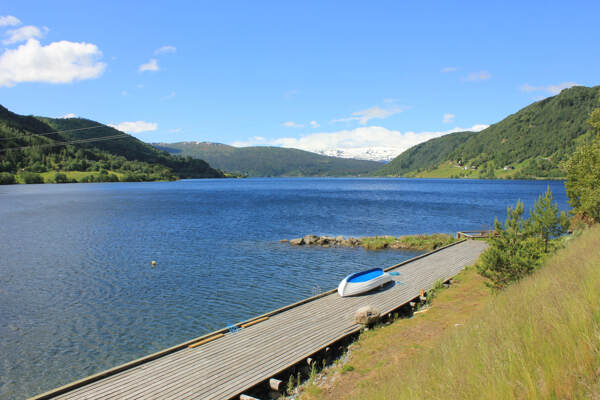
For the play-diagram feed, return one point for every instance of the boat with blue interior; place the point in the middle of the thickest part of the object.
(362, 282)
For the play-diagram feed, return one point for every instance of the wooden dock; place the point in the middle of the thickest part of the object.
(226, 364)
(475, 234)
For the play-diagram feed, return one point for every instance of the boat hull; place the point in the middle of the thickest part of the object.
(363, 282)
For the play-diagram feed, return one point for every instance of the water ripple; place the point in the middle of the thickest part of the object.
(78, 293)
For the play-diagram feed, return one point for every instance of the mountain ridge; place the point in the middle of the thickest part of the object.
(38, 144)
(266, 161)
(530, 143)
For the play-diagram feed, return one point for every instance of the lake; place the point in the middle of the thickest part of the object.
(78, 293)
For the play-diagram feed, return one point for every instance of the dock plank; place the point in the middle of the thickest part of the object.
(229, 365)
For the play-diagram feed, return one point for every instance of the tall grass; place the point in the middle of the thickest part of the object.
(411, 242)
(539, 338)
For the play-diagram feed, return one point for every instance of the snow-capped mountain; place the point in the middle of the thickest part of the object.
(383, 154)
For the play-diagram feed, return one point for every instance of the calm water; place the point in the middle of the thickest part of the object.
(78, 293)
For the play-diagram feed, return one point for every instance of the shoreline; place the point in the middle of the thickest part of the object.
(421, 242)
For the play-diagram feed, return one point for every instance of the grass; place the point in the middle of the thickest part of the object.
(410, 242)
(448, 169)
(539, 338)
(76, 175)
(48, 176)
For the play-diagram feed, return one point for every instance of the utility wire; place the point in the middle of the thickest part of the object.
(111, 137)
(50, 133)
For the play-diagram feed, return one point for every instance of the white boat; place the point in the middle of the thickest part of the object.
(362, 282)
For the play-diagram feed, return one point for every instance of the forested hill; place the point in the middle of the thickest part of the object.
(29, 151)
(528, 144)
(270, 161)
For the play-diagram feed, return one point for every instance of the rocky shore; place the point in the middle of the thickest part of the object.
(413, 242)
(324, 241)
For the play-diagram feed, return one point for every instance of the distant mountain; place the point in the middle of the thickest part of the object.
(531, 143)
(42, 145)
(382, 154)
(270, 161)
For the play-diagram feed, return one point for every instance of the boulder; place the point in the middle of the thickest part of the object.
(354, 241)
(284, 240)
(339, 239)
(297, 242)
(323, 240)
(366, 315)
(399, 245)
(310, 239)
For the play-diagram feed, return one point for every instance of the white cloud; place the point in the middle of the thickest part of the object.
(314, 124)
(165, 50)
(478, 76)
(9, 20)
(253, 141)
(448, 118)
(151, 65)
(292, 124)
(552, 89)
(58, 62)
(449, 69)
(69, 115)
(24, 33)
(374, 142)
(135, 127)
(124, 93)
(376, 112)
(474, 128)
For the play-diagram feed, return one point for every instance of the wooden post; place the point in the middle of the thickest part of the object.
(276, 384)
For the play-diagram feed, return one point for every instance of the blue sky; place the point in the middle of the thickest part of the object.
(315, 75)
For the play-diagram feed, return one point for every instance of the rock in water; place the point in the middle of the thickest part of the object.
(297, 242)
(310, 239)
(366, 315)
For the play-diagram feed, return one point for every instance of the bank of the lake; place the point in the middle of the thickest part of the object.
(78, 293)
(423, 242)
(536, 339)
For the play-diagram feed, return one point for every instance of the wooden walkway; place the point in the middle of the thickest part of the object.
(227, 366)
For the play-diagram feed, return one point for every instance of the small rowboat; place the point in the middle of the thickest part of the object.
(362, 282)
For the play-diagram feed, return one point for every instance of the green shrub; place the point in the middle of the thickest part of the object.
(86, 179)
(31, 177)
(59, 177)
(6, 178)
(347, 368)
(519, 246)
(431, 293)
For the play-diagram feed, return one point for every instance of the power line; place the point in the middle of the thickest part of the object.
(111, 137)
(50, 133)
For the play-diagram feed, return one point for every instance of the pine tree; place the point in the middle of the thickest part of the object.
(514, 251)
(546, 220)
(583, 176)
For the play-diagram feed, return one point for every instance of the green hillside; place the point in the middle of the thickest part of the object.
(531, 143)
(270, 161)
(29, 150)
